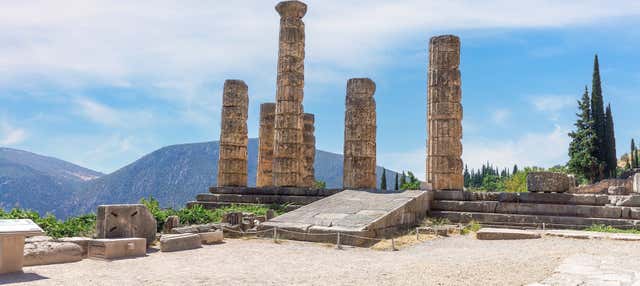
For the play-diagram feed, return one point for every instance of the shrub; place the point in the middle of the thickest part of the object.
(74, 226)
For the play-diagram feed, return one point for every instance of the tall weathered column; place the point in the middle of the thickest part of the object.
(265, 149)
(308, 151)
(444, 115)
(232, 163)
(360, 135)
(287, 155)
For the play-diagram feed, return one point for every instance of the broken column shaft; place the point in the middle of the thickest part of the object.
(360, 135)
(444, 115)
(232, 163)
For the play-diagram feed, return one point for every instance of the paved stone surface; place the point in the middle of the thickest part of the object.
(592, 235)
(586, 269)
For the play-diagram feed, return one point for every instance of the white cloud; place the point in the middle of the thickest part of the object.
(501, 115)
(553, 103)
(108, 116)
(532, 149)
(10, 135)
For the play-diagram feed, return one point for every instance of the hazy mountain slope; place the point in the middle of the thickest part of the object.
(55, 168)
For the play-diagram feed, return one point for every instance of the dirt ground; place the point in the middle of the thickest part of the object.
(458, 260)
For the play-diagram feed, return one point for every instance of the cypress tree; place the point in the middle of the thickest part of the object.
(597, 115)
(383, 180)
(584, 143)
(403, 179)
(634, 157)
(515, 169)
(396, 186)
(612, 157)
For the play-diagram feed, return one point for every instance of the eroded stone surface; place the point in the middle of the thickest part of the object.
(211, 237)
(116, 248)
(265, 149)
(177, 242)
(504, 234)
(49, 252)
(444, 115)
(125, 221)
(360, 135)
(308, 151)
(287, 154)
(232, 162)
(549, 182)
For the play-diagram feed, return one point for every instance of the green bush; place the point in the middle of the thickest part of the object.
(73, 226)
(608, 228)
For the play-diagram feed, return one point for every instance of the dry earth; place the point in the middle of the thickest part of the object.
(459, 260)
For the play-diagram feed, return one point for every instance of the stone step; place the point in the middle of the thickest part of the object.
(536, 221)
(614, 212)
(215, 205)
(257, 199)
(274, 191)
(537, 198)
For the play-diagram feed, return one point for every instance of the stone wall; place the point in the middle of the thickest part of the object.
(308, 151)
(232, 163)
(265, 149)
(360, 135)
(444, 115)
(287, 161)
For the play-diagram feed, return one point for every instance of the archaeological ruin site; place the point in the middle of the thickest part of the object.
(358, 215)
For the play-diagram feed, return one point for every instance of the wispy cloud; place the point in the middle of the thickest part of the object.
(553, 104)
(109, 116)
(501, 115)
(11, 135)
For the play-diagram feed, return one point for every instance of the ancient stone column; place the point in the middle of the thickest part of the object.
(360, 135)
(444, 115)
(232, 164)
(287, 155)
(308, 151)
(265, 150)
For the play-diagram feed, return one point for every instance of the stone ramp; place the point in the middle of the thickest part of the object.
(356, 215)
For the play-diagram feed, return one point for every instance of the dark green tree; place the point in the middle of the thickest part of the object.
(403, 179)
(467, 176)
(515, 169)
(583, 145)
(383, 180)
(412, 184)
(611, 170)
(633, 154)
(598, 116)
(396, 187)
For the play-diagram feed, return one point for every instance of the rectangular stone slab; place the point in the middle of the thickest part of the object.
(20, 227)
(177, 242)
(117, 248)
(505, 234)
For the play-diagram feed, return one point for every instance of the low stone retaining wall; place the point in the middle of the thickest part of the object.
(293, 198)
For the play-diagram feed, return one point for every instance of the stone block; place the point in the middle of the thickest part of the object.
(617, 190)
(83, 242)
(11, 254)
(505, 234)
(177, 242)
(125, 221)
(636, 183)
(211, 237)
(270, 214)
(48, 252)
(625, 201)
(117, 248)
(170, 223)
(549, 182)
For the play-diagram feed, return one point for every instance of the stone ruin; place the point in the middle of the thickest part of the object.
(444, 115)
(360, 135)
(232, 164)
(265, 153)
(308, 151)
(287, 154)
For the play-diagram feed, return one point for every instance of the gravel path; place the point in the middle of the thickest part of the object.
(460, 260)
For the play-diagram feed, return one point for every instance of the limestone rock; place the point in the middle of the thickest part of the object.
(170, 223)
(617, 190)
(48, 252)
(125, 221)
(359, 170)
(603, 186)
(233, 218)
(232, 162)
(444, 114)
(177, 242)
(548, 182)
(83, 242)
(115, 248)
(38, 238)
(211, 237)
(287, 152)
(265, 150)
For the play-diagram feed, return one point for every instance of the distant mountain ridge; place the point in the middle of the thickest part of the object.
(174, 175)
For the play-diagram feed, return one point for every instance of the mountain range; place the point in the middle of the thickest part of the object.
(173, 175)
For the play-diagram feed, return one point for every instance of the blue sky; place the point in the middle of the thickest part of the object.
(100, 83)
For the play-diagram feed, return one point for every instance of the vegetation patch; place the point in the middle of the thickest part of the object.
(610, 229)
(84, 225)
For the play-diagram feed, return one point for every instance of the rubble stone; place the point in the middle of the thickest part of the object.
(49, 252)
(170, 223)
(549, 182)
(211, 237)
(177, 242)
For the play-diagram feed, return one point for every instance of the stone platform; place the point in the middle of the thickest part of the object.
(356, 215)
(554, 210)
(291, 198)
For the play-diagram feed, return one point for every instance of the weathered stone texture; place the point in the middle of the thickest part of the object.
(308, 151)
(177, 242)
(287, 155)
(636, 183)
(549, 182)
(360, 135)
(125, 221)
(232, 163)
(444, 115)
(265, 149)
(49, 252)
(117, 248)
